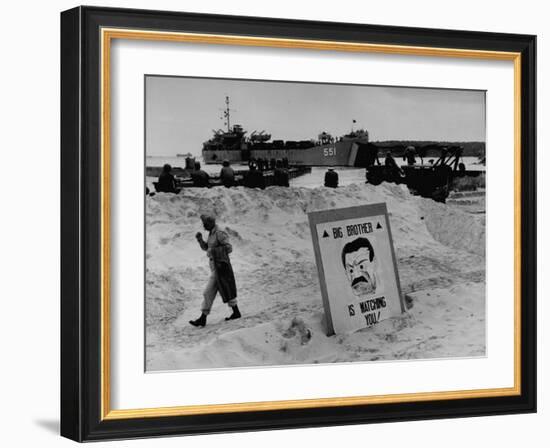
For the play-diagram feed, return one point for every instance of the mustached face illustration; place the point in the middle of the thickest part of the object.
(359, 262)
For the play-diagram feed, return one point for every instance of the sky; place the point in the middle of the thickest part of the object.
(182, 112)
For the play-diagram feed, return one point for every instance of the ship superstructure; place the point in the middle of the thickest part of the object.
(233, 145)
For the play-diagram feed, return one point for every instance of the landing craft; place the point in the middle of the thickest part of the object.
(326, 150)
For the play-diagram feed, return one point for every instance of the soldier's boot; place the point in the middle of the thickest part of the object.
(236, 313)
(200, 322)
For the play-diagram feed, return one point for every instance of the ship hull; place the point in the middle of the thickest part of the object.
(218, 156)
(342, 153)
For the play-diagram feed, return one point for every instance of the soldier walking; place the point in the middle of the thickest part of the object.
(222, 279)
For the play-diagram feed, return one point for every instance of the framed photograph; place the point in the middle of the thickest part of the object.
(272, 223)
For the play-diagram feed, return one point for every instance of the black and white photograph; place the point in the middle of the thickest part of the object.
(234, 171)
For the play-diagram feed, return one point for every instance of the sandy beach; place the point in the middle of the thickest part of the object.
(441, 260)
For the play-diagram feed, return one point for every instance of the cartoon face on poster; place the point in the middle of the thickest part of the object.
(357, 269)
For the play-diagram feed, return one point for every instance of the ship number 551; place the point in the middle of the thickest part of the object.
(328, 152)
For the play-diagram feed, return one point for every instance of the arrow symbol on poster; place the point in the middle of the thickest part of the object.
(325, 234)
(378, 226)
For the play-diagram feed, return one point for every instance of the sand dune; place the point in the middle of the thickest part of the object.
(441, 260)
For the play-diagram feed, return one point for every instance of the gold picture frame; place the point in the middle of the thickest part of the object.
(108, 26)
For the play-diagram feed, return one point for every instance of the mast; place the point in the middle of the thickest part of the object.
(227, 115)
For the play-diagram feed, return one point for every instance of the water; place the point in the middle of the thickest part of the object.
(180, 162)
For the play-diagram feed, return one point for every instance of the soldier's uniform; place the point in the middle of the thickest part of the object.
(216, 238)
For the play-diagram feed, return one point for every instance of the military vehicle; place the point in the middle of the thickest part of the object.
(429, 180)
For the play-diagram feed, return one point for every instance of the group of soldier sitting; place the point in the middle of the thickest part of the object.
(254, 178)
(167, 181)
(262, 164)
